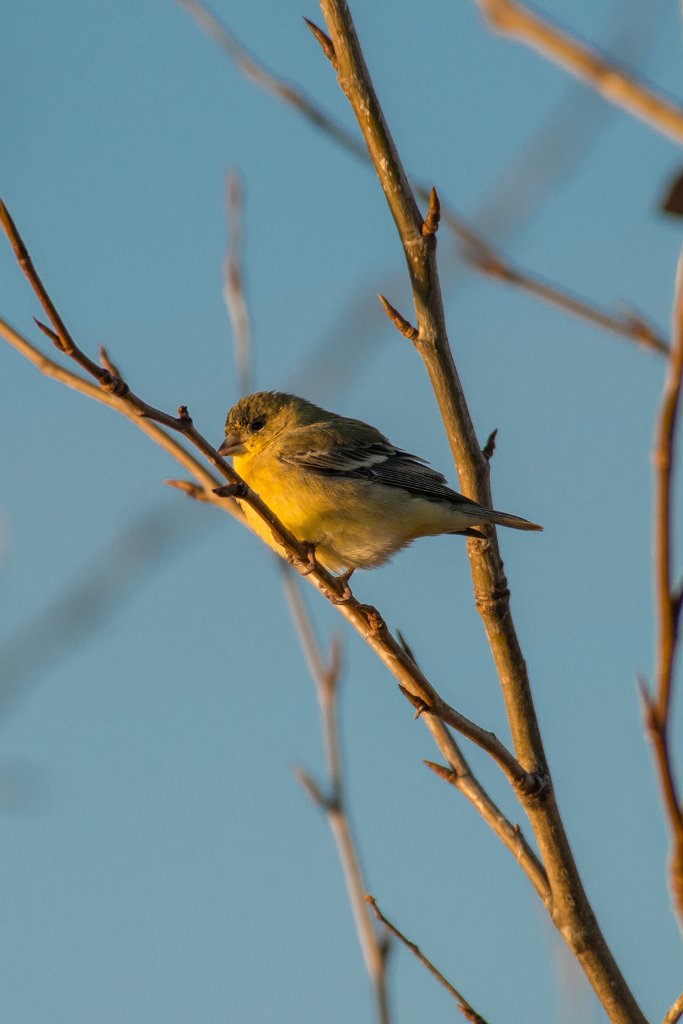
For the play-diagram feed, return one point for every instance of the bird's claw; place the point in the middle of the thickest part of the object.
(346, 592)
(310, 565)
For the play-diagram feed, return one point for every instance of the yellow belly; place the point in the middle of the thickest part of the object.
(352, 523)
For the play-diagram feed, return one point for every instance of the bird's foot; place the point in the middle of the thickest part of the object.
(310, 565)
(346, 592)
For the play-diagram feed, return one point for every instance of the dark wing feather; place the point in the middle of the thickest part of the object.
(355, 451)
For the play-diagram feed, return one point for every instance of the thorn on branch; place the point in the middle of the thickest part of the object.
(49, 333)
(107, 363)
(192, 490)
(445, 773)
(314, 791)
(325, 42)
(431, 221)
(184, 416)
(490, 446)
(405, 646)
(418, 703)
(399, 322)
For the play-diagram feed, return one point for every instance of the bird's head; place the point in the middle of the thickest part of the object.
(257, 419)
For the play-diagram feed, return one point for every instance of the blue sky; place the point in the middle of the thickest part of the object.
(160, 861)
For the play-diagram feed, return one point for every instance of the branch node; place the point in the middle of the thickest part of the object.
(445, 773)
(431, 221)
(533, 785)
(400, 323)
(325, 42)
(231, 490)
(184, 416)
(113, 384)
(313, 790)
(192, 490)
(376, 624)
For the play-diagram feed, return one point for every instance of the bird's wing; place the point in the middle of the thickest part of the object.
(356, 451)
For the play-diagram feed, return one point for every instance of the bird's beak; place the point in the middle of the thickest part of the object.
(232, 445)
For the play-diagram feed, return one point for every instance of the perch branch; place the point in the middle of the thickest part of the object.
(364, 618)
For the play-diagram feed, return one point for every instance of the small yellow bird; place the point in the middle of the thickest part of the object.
(340, 485)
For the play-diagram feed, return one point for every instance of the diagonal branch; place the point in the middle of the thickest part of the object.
(482, 255)
(464, 1006)
(571, 909)
(50, 368)
(614, 83)
(365, 619)
(675, 1012)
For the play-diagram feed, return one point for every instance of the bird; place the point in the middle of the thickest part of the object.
(340, 486)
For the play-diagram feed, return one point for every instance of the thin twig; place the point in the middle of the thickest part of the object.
(50, 368)
(364, 618)
(483, 256)
(464, 1006)
(614, 83)
(658, 708)
(326, 677)
(459, 774)
(570, 907)
(233, 285)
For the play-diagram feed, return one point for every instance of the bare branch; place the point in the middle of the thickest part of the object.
(460, 775)
(676, 1012)
(364, 618)
(464, 1006)
(233, 285)
(475, 247)
(658, 708)
(52, 369)
(326, 679)
(629, 325)
(614, 83)
(571, 910)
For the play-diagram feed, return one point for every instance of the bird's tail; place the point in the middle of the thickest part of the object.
(505, 519)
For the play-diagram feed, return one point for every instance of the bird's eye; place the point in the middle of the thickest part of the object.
(257, 425)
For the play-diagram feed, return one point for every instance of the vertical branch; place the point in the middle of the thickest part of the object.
(570, 908)
(668, 598)
(233, 285)
(326, 678)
